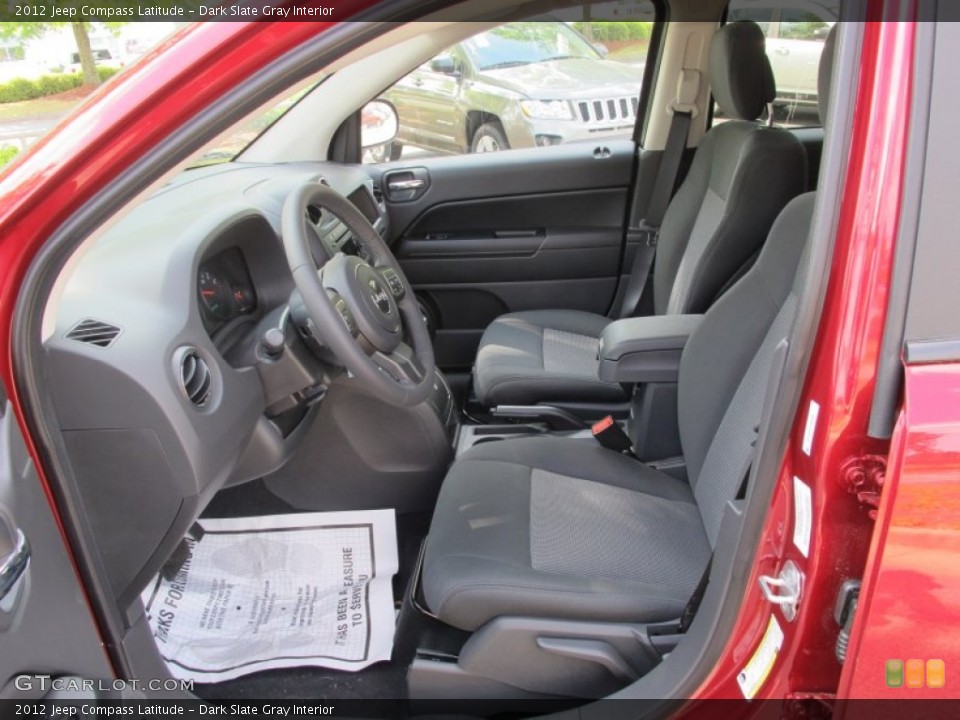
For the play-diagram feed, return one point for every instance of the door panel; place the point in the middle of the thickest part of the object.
(510, 231)
(45, 623)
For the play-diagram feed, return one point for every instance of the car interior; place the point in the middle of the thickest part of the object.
(562, 396)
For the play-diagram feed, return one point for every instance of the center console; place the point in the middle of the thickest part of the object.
(645, 349)
(641, 352)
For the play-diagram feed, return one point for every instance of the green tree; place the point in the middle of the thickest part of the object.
(81, 35)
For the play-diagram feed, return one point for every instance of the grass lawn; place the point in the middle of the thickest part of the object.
(631, 51)
(51, 105)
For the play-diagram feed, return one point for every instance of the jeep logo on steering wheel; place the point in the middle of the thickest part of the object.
(379, 296)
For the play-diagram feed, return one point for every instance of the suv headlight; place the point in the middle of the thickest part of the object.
(547, 109)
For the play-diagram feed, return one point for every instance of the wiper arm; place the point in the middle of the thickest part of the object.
(506, 64)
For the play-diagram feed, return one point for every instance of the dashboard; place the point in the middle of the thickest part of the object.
(179, 401)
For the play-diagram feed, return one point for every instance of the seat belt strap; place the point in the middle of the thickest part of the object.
(659, 202)
(668, 170)
(639, 272)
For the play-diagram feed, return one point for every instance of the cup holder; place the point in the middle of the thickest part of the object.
(473, 435)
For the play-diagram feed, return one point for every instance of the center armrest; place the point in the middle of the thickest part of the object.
(645, 349)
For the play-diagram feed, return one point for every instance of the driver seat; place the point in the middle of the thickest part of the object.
(563, 528)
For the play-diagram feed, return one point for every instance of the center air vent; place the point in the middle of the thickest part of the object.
(94, 332)
(195, 377)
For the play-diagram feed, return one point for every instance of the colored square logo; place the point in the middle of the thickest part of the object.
(914, 673)
(894, 673)
(936, 673)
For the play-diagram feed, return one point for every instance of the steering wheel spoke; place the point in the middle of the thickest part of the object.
(340, 305)
(393, 281)
(402, 364)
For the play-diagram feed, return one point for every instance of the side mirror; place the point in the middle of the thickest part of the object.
(378, 123)
(601, 48)
(445, 65)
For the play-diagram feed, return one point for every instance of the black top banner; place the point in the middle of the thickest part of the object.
(167, 11)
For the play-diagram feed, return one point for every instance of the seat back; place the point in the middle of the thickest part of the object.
(726, 364)
(742, 176)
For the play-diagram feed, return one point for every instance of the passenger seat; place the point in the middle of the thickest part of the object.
(742, 176)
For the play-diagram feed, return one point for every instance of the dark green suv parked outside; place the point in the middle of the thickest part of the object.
(519, 85)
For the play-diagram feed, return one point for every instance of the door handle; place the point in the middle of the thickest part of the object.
(412, 184)
(405, 185)
(14, 564)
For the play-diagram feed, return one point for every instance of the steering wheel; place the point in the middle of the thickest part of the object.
(364, 312)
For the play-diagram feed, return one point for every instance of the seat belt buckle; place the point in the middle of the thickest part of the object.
(649, 232)
(609, 434)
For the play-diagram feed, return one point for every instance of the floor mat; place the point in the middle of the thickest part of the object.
(294, 590)
(253, 498)
(383, 681)
(248, 500)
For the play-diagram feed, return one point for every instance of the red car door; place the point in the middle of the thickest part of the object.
(906, 633)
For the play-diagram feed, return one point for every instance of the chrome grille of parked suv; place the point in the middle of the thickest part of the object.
(608, 110)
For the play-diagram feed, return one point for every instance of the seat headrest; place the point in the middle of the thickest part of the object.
(740, 72)
(825, 74)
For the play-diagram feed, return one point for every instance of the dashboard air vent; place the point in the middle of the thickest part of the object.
(94, 332)
(195, 377)
(378, 194)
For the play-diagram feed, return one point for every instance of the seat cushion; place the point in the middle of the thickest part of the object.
(542, 356)
(560, 527)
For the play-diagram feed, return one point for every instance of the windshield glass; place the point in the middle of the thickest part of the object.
(235, 142)
(524, 43)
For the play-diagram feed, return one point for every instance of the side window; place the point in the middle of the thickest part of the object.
(573, 76)
(795, 32)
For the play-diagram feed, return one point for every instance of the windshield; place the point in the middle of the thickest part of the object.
(524, 43)
(233, 143)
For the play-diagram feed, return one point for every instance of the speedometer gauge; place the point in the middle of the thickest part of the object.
(215, 295)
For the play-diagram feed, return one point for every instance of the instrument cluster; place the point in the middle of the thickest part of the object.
(225, 289)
